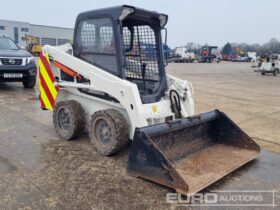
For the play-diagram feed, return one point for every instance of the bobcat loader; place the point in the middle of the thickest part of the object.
(109, 84)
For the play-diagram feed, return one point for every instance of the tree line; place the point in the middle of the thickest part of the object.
(270, 47)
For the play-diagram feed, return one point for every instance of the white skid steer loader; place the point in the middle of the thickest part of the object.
(112, 82)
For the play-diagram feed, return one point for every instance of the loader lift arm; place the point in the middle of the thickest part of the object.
(126, 93)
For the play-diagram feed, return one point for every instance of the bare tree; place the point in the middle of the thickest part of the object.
(190, 46)
(272, 46)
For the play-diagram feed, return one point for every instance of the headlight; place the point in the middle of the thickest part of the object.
(30, 60)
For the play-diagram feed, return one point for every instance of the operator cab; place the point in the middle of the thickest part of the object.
(125, 41)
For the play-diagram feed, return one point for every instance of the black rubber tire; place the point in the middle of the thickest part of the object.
(76, 119)
(275, 72)
(262, 73)
(118, 130)
(30, 83)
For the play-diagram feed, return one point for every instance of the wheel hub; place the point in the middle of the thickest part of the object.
(103, 131)
(64, 119)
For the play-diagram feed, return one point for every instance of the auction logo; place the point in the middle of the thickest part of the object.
(261, 198)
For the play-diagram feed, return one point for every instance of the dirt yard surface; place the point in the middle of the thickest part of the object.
(40, 171)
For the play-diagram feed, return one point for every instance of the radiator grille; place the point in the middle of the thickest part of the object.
(11, 61)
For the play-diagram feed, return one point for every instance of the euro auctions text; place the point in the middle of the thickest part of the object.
(225, 198)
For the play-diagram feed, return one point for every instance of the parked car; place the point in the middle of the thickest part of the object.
(182, 55)
(270, 66)
(16, 64)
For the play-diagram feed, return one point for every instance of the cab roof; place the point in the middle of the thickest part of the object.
(117, 12)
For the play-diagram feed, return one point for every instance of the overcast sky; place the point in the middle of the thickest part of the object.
(201, 21)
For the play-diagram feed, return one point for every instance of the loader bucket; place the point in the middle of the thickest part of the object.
(191, 153)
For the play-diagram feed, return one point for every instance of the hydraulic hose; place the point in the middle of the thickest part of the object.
(175, 103)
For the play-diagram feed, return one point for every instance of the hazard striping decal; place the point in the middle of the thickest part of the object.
(48, 84)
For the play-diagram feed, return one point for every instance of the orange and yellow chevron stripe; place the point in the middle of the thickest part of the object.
(48, 85)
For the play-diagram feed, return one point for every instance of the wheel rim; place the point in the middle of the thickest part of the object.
(103, 132)
(64, 121)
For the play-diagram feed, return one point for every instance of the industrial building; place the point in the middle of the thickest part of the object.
(46, 34)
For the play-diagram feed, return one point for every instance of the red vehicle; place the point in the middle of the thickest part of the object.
(207, 55)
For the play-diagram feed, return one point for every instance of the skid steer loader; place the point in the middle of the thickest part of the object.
(109, 84)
